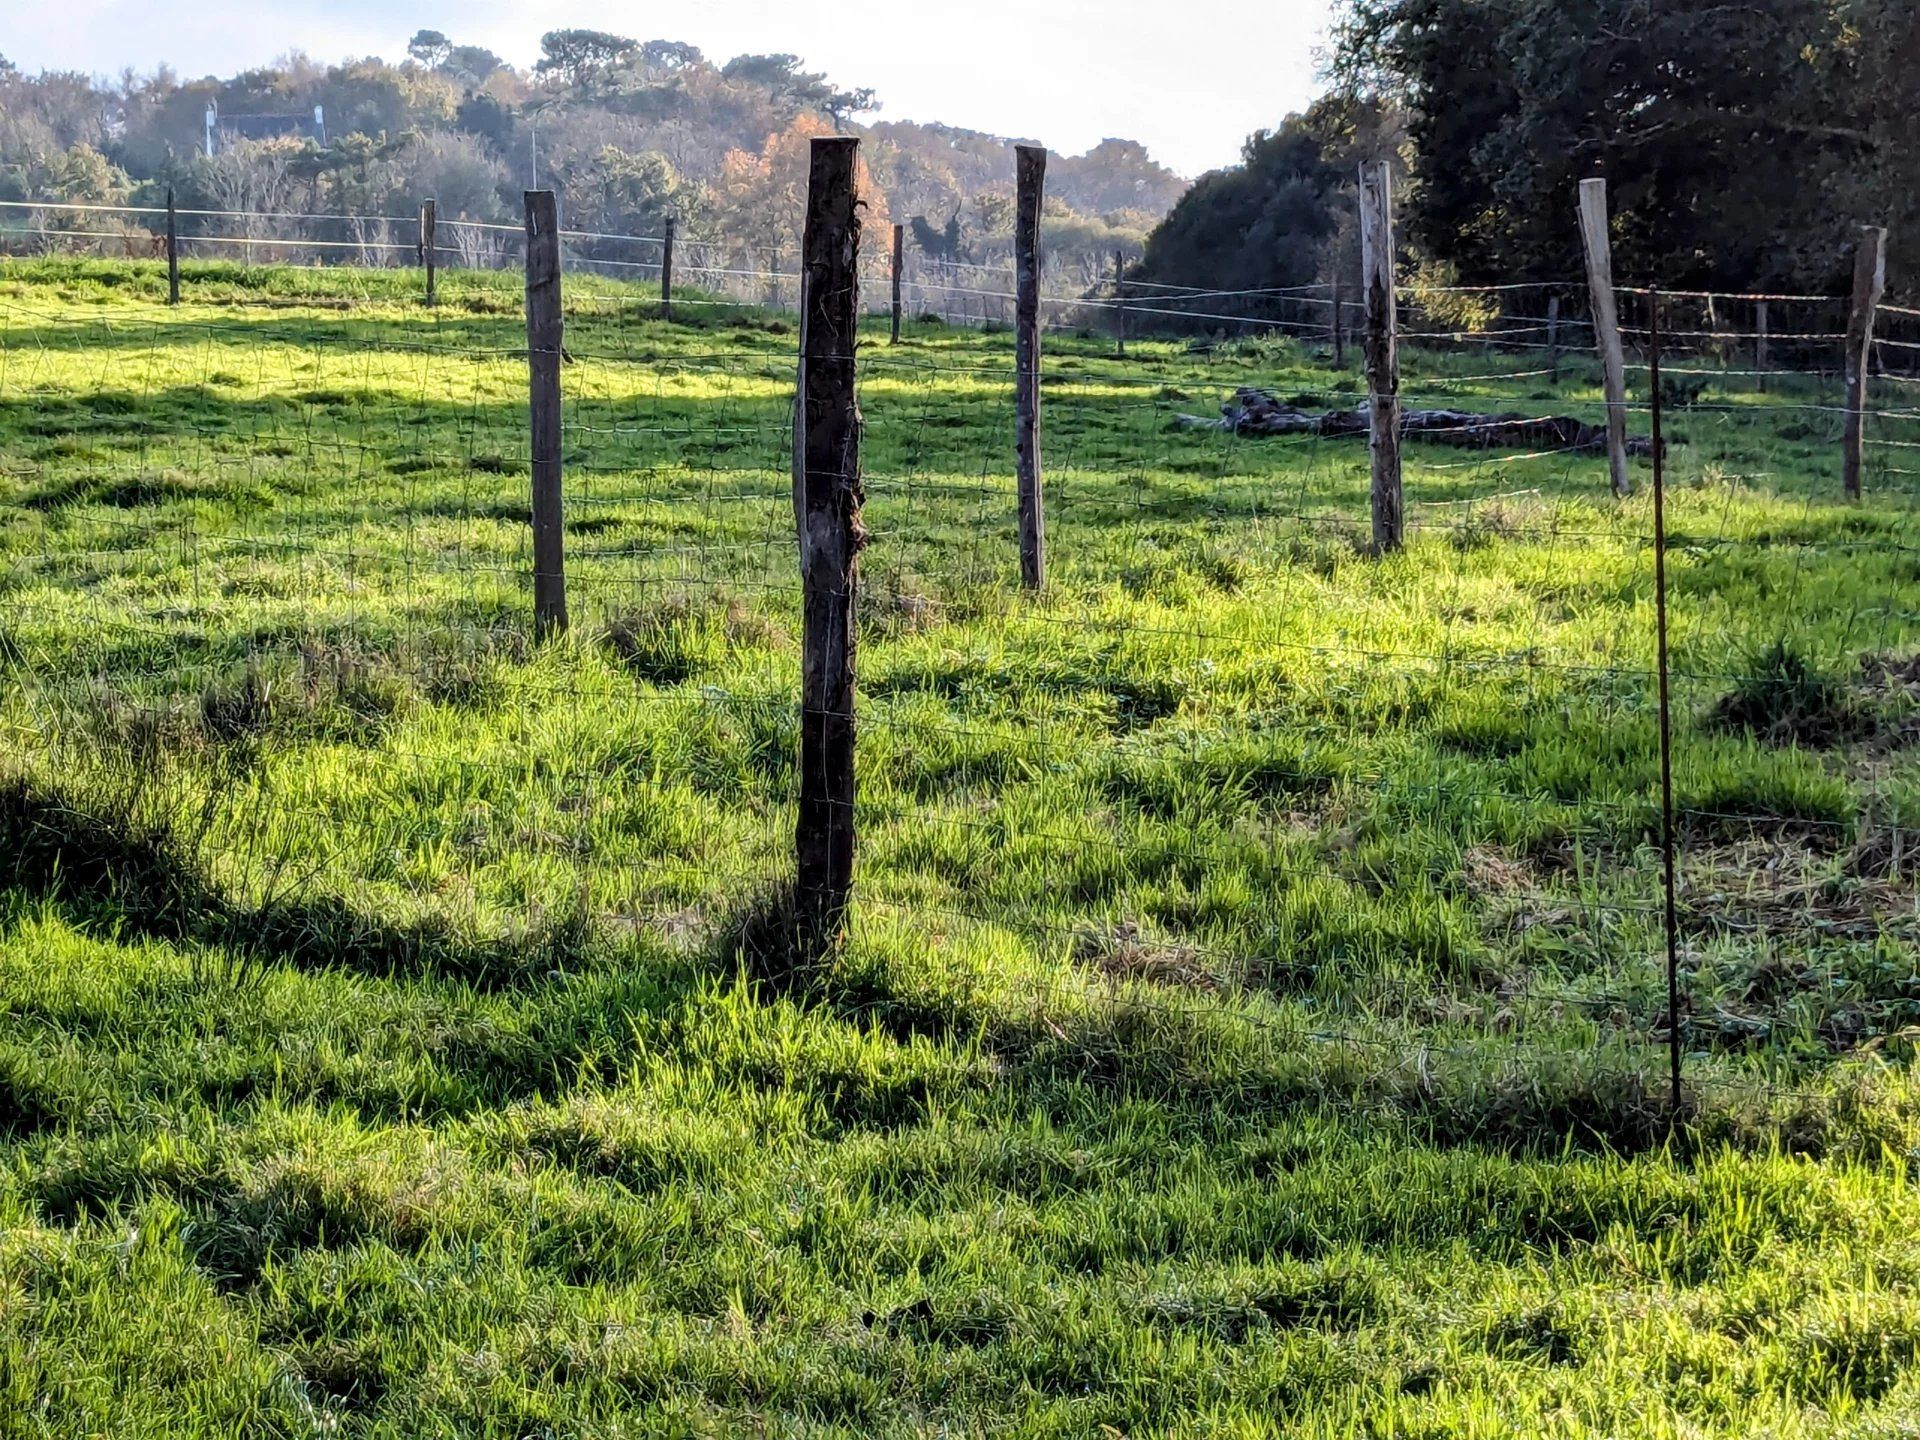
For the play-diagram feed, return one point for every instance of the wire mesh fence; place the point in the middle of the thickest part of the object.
(1234, 798)
(1739, 335)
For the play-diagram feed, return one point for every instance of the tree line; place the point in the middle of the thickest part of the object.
(1744, 146)
(626, 131)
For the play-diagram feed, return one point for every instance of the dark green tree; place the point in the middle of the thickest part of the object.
(1744, 143)
(938, 242)
(581, 57)
(783, 78)
(670, 56)
(429, 48)
(471, 64)
(1269, 223)
(774, 72)
(490, 119)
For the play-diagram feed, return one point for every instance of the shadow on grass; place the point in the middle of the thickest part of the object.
(1065, 1044)
(138, 875)
(1213, 1055)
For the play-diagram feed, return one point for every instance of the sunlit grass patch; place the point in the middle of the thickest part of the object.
(1253, 1018)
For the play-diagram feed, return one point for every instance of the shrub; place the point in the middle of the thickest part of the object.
(1785, 699)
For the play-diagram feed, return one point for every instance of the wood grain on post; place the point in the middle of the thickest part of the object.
(428, 218)
(1869, 285)
(173, 251)
(666, 272)
(1032, 164)
(1119, 305)
(1383, 354)
(827, 507)
(899, 271)
(544, 339)
(1595, 237)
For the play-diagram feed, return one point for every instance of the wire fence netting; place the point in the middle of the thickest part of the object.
(1233, 795)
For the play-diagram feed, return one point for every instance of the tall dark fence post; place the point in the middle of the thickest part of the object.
(1032, 160)
(1598, 240)
(828, 511)
(1119, 305)
(666, 271)
(544, 339)
(1383, 355)
(1553, 338)
(173, 251)
(899, 271)
(428, 250)
(1762, 327)
(1869, 285)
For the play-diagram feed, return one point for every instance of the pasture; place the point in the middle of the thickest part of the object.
(1255, 1016)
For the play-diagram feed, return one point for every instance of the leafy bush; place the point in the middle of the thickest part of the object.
(1784, 699)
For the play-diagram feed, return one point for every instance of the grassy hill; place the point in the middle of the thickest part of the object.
(1255, 1018)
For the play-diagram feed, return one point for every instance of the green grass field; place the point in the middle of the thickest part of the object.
(1255, 1018)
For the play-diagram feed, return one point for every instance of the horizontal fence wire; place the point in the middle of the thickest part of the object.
(722, 276)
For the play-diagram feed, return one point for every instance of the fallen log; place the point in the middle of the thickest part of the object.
(1256, 412)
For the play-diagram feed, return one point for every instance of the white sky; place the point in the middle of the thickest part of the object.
(1190, 84)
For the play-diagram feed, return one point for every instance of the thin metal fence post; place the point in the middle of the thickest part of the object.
(1339, 325)
(1669, 863)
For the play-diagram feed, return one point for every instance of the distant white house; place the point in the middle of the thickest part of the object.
(225, 130)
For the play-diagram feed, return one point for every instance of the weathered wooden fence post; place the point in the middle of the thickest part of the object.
(1032, 163)
(828, 511)
(1869, 285)
(545, 336)
(428, 218)
(899, 272)
(173, 251)
(1119, 305)
(1606, 326)
(1383, 355)
(666, 272)
(1762, 337)
(1553, 338)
